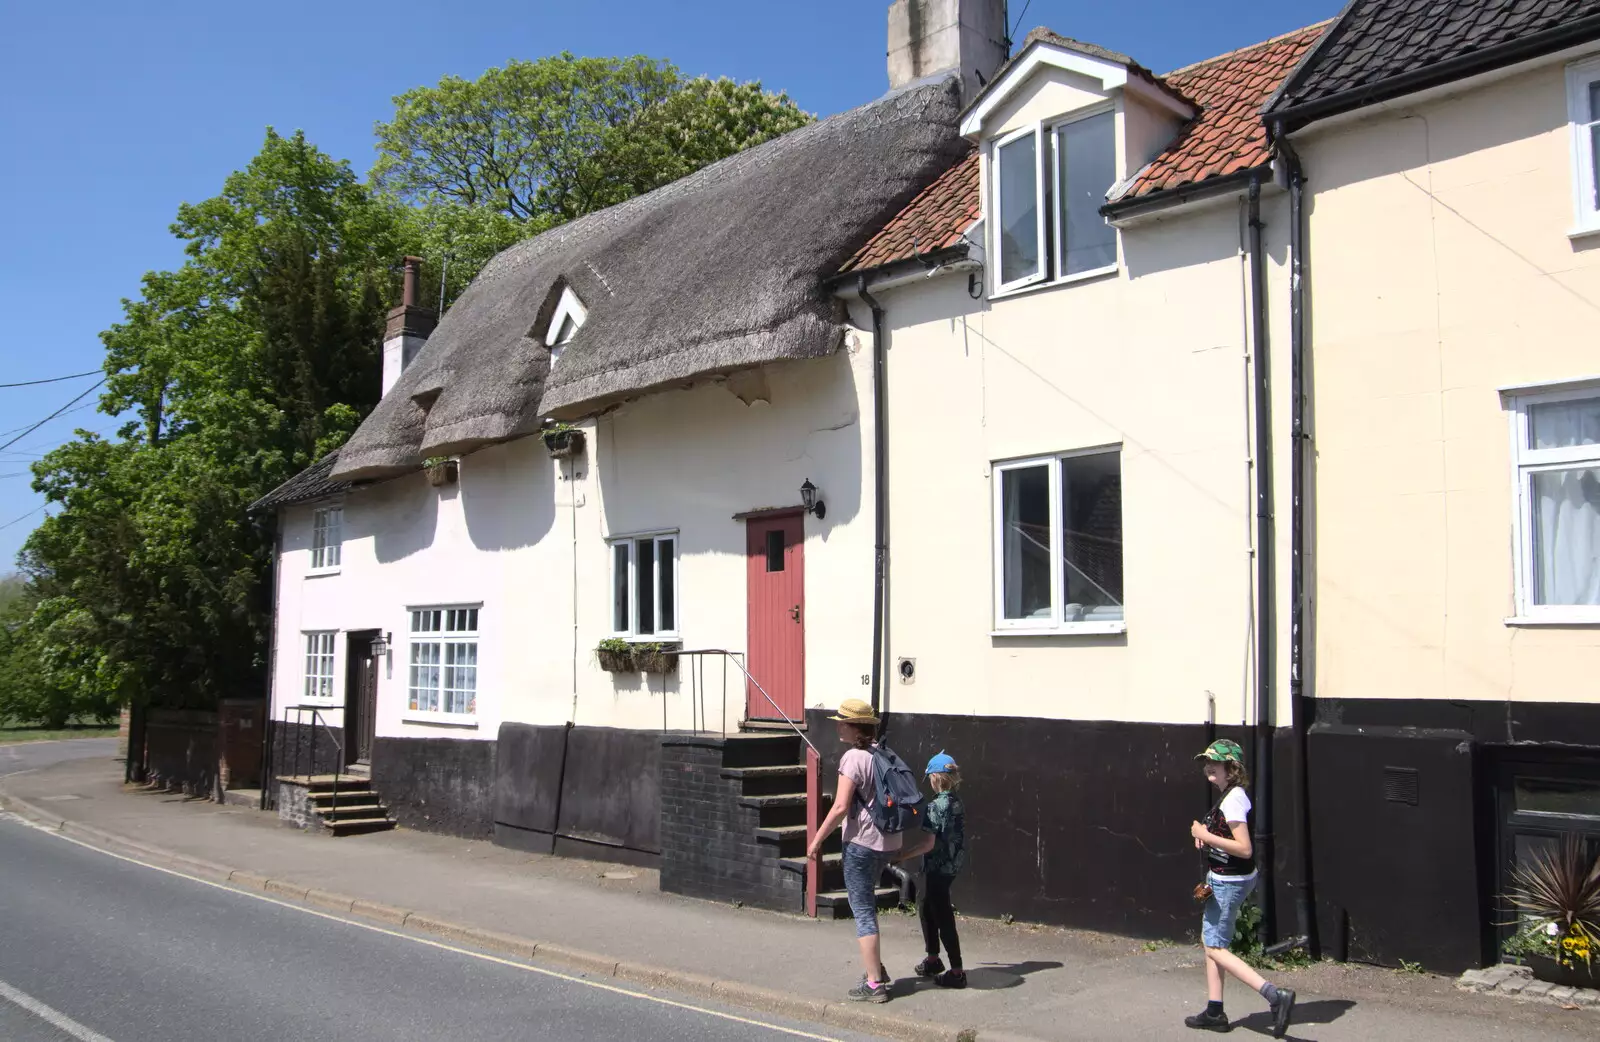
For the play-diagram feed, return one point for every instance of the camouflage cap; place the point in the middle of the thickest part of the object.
(1223, 750)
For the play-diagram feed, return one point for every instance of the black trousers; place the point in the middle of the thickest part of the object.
(939, 918)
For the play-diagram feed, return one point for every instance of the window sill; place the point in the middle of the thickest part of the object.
(412, 716)
(1554, 620)
(321, 573)
(1035, 287)
(1067, 629)
(651, 638)
(1581, 234)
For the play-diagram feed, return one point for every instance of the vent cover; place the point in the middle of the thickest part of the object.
(1400, 785)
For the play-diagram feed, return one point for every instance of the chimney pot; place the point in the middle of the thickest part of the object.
(408, 327)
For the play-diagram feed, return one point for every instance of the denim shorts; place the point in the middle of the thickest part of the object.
(862, 869)
(1222, 909)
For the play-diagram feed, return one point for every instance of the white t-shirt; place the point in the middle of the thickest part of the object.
(1235, 806)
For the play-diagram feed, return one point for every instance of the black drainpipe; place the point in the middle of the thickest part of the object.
(1305, 902)
(880, 491)
(276, 539)
(1265, 586)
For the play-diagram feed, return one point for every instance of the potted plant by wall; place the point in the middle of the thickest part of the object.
(615, 655)
(441, 470)
(656, 658)
(563, 441)
(1557, 897)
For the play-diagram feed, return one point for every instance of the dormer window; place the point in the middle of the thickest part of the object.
(568, 318)
(1049, 182)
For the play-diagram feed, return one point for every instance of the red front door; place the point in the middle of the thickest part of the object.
(775, 563)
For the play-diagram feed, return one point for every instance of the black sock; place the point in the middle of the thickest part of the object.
(1214, 1009)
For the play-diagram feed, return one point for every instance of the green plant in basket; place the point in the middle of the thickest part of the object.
(1557, 893)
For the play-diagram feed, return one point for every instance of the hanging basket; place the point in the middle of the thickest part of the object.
(564, 444)
(657, 660)
(613, 661)
(441, 474)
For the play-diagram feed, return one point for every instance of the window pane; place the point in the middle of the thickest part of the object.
(775, 550)
(1091, 538)
(1019, 209)
(1025, 542)
(1088, 163)
(1558, 796)
(1566, 536)
(666, 551)
(646, 582)
(1563, 425)
(619, 587)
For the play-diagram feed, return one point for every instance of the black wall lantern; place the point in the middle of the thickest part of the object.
(380, 645)
(810, 500)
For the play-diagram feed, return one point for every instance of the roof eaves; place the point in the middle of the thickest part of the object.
(1168, 198)
(1331, 33)
(921, 263)
(1292, 117)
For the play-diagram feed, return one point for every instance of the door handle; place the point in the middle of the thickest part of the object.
(794, 613)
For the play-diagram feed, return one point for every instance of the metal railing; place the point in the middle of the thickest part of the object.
(697, 692)
(311, 768)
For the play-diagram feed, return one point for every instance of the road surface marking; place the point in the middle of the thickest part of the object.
(91, 1037)
(50, 1016)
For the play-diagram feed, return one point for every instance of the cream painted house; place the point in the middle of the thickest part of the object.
(1452, 527)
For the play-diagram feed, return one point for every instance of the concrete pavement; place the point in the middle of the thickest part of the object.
(1042, 983)
(136, 955)
(21, 757)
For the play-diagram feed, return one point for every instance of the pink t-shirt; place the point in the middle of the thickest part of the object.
(858, 827)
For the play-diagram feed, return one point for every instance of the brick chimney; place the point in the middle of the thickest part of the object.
(408, 329)
(929, 36)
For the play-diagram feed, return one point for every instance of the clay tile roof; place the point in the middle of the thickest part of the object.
(933, 220)
(1226, 137)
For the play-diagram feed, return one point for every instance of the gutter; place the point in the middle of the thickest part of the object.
(880, 490)
(905, 270)
(1124, 210)
(1266, 585)
(1288, 119)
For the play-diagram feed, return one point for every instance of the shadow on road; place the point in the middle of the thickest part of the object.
(1320, 1011)
(992, 976)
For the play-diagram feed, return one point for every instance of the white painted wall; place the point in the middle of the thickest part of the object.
(526, 537)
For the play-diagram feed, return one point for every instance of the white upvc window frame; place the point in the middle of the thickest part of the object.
(1055, 625)
(1041, 210)
(632, 541)
(569, 317)
(321, 677)
(1583, 119)
(1058, 215)
(1525, 462)
(327, 539)
(447, 628)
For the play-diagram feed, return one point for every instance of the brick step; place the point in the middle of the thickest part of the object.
(835, 904)
(358, 826)
(786, 799)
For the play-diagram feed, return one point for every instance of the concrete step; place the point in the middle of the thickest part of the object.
(349, 811)
(343, 796)
(357, 826)
(780, 771)
(836, 903)
(786, 799)
(798, 864)
(780, 833)
(318, 782)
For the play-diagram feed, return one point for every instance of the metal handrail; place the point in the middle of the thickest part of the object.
(311, 768)
(735, 657)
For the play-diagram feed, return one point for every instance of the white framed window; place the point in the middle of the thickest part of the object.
(569, 317)
(443, 675)
(1583, 112)
(319, 665)
(644, 585)
(1556, 460)
(1048, 183)
(1058, 543)
(327, 538)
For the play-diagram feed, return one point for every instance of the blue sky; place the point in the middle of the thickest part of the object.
(113, 114)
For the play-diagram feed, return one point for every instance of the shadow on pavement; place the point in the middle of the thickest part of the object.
(992, 976)
(1320, 1011)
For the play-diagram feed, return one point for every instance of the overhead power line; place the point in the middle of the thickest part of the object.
(53, 415)
(53, 379)
(24, 517)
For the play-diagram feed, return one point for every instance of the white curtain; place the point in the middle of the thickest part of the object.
(1566, 507)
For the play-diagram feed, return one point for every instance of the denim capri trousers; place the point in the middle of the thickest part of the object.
(862, 869)
(1222, 909)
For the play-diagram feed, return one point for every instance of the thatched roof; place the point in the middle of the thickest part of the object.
(312, 483)
(720, 271)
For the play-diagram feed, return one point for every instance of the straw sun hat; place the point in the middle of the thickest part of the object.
(855, 711)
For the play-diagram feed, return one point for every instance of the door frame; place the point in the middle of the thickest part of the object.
(359, 716)
(751, 695)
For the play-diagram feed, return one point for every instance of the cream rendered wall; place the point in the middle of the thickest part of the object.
(1152, 358)
(1440, 272)
(527, 537)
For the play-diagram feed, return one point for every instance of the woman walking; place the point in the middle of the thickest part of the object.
(866, 849)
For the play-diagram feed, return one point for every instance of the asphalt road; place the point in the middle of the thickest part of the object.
(30, 756)
(100, 949)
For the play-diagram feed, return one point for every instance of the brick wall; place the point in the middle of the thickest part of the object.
(708, 842)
